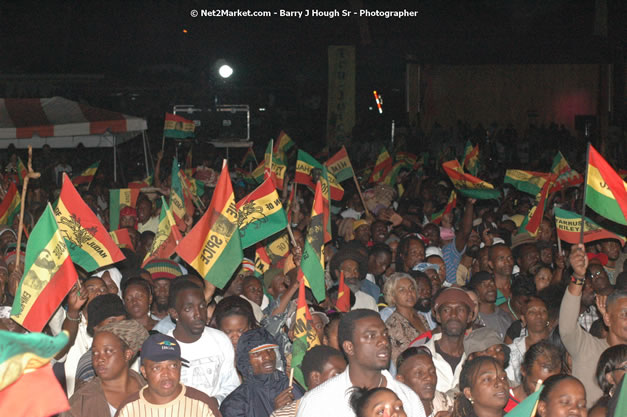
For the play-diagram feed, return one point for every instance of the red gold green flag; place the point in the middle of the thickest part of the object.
(450, 205)
(568, 225)
(305, 336)
(560, 164)
(606, 192)
(532, 221)
(249, 158)
(87, 239)
(178, 127)
(284, 143)
(122, 238)
(147, 182)
(21, 170)
(118, 199)
(260, 215)
(382, 166)
(178, 202)
(87, 176)
(49, 275)
(307, 167)
(467, 184)
(167, 237)
(340, 165)
(213, 246)
(471, 158)
(10, 206)
(262, 260)
(530, 182)
(312, 261)
(343, 303)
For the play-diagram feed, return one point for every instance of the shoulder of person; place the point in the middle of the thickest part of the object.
(198, 395)
(130, 399)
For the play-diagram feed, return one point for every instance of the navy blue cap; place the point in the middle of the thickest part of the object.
(159, 348)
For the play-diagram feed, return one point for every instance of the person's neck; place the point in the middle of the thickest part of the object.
(611, 264)
(119, 384)
(488, 308)
(428, 406)
(158, 312)
(452, 345)
(535, 337)
(613, 339)
(502, 278)
(407, 312)
(152, 398)
(367, 378)
(144, 320)
(487, 412)
(519, 392)
(182, 336)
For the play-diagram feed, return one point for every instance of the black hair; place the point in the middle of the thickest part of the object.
(552, 382)
(348, 253)
(333, 318)
(608, 361)
(233, 306)
(140, 282)
(403, 246)
(179, 284)
(495, 247)
(360, 397)
(556, 339)
(552, 297)
(379, 249)
(542, 348)
(347, 324)
(410, 352)
(462, 406)
(316, 358)
(101, 308)
(597, 328)
(621, 281)
(523, 286)
(419, 275)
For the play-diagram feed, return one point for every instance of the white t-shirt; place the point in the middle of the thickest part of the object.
(211, 364)
(332, 397)
(365, 300)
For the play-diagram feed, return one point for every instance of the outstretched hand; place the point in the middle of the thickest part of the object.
(579, 260)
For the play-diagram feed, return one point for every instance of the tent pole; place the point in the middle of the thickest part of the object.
(145, 153)
(115, 159)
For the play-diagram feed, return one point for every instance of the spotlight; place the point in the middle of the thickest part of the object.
(225, 71)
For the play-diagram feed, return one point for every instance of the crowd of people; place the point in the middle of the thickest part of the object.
(465, 316)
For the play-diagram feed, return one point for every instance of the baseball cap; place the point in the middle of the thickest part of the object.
(481, 339)
(160, 347)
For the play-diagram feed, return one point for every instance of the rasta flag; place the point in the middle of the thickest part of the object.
(527, 181)
(167, 238)
(606, 192)
(568, 226)
(272, 167)
(10, 205)
(340, 165)
(178, 127)
(560, 164)
(283, 144)
(467, 184)
(450, 205)
(273, 254)
(213, 246)
(146, 182)
(307, 167)
(122, 238)
(87, 239)
(382, 166)
(249, 157)
(49, 275)
(471, 158)
(343, 303)
(87, 176)
(305, 336)
(260, 214)
(118, 199)
(312, 261)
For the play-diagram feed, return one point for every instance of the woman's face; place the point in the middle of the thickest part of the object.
(568, 399)
(543, 278)
(384, 403)
(109, 359)
(489, 389)
(536, 316)
(137, 301)
(617, 374)
(542, 368)
(234, 326)
(405, 294)
(112, 287)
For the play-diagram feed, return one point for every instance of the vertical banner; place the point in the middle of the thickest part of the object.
(341, 101)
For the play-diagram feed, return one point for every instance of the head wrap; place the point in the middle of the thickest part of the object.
(129, 331)
(248, 264)
(601, 257)
(115, 274)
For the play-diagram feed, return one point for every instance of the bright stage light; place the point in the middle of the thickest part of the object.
(225, 71)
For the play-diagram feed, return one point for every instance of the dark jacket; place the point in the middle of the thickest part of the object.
(255, 396)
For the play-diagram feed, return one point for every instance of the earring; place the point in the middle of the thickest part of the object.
(472, 401)
(548, 323)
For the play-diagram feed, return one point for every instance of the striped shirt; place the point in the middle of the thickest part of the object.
(189, 403)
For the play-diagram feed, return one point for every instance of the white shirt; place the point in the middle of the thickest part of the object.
(447, 379)
(517, 352)
(151, 225)
(211, 364)
(365, 300)
(332, 397)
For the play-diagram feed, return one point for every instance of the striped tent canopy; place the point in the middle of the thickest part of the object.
(62, 123)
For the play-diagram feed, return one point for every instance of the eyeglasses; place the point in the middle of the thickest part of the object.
(594, 275)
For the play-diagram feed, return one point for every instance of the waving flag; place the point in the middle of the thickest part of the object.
(87, 239)
(312, 262)
(249, 158)
(305, 336)
(49, 275)
(21, 170)
(568, 225)
(527, 181)
(283, 144)
(528, 406)
(213, 246)
(382, 166)
(532, 221)
(146, 182)
(305, 165)
(123, 197)
(260, 214)
(275, 169)
(560, 164)
(343, 303)
(87, 176)
(10, 206)
(471, 158)
(606, 192)
(450, 205)
(178, 127)
(340, 165)
(167, 237)
(179, 199)
(122, 238)
(25, 369)
(467, 184)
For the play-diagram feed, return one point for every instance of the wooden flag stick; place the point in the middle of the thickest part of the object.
(585, 187)
(29, 174)
(291, 377)
(360, 194)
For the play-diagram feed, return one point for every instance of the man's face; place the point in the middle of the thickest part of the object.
(423, 288)
(253, 290)
(414, 255)
(419, 373)
(599, 279)
(616, 319)
(432, 232)
(263, 362)
(190, 312)
(611, 248)
(587, 294)
(144, 211)
(161, 290)
(318, 325)
(94, 287)
(351, 274)
(486, 291)
(439, 262)
(474, 241)
(484, 260)
(362, 234)
(279, 285)
(379, 232)
(529, 256)
(163, 378)
(453, 317)
(502, 261)
(6, 238)
(436, 284)
(546, 256)
(127, 221)
(370, 348)
(379, 263)
(495, 351)
(545, 231)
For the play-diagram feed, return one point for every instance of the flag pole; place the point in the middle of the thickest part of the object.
(585, 188)
(29, 174)
(559, 241)
(360, 194)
